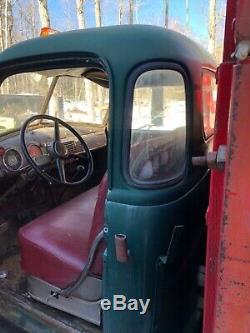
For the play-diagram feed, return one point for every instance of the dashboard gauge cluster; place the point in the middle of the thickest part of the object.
(39, 141)
(34, 151)
(12, 159)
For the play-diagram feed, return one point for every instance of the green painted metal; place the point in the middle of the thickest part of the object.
(122, 46)
(146, 216)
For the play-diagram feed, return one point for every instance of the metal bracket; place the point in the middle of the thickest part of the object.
(121, 248)
(242, 50)
(213, 160)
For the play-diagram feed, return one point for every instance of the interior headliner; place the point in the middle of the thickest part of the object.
(94, 74)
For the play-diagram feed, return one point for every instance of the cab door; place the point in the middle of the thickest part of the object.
(156, 201)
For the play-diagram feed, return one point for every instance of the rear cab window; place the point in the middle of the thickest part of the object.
(158, 128)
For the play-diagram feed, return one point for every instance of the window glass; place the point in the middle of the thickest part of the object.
(209, 95)
(158, 133)
(73, 98)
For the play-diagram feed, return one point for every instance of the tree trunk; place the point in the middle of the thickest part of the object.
(166, 15)
(212, 26)
(1, 27)
(6, 24)
(45, 23)
(87, 86)
(44, 13)
(80, 14)
(98, 18)
(33, 28)
(81, 25)
(120, 11)
(157, 106)
(131, 11)
(98, 23)
(7, 28)
(10, 23)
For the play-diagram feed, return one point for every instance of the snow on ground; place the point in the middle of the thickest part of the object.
(173, 115)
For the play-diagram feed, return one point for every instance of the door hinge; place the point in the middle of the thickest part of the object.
(213, 160)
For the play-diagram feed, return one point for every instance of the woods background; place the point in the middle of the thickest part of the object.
(23, 19)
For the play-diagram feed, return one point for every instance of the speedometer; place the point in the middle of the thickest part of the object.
(12, 159)
(34, 151)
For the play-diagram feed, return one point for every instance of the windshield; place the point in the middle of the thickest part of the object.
(73, 99)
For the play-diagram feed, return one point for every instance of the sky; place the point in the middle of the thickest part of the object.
(63, 14)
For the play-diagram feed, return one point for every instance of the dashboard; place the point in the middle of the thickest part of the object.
(39, 141)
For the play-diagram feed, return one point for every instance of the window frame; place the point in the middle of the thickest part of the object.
(135, 74)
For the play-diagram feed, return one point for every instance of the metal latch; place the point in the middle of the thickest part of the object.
(213, 160)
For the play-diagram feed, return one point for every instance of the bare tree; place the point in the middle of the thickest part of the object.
(212, 26)
(98, 17)
(26, 19)
(219, 33)
(98, 23)
(131, 11)
(44, 13)
(82, 25)
(45, 22)
(80, 14)
(6, 26)
(32, 14)
(10, 22)
(6, 23)
(166, 15)
(1, 26)
(6, 3)
(121, 8)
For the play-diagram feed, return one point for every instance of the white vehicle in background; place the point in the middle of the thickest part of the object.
(6, 123)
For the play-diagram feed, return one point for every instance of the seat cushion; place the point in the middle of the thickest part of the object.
(55, 246)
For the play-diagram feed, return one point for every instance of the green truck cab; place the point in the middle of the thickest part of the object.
(102, 212)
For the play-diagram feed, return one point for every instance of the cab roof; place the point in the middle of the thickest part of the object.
(124, 45)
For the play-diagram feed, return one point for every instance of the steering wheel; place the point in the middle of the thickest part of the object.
(58, 152)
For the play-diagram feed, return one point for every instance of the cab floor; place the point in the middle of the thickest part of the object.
(17, 308)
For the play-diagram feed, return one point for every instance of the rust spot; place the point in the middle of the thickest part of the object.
(237, 283)
(232, 193)
(244, 261)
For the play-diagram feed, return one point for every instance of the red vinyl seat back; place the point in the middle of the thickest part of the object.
(55, 246)
(98, 225)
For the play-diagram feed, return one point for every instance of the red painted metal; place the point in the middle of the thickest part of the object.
(232, 311)
(242, 25)
(227, 288)
(215, 201)
(224, 77)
